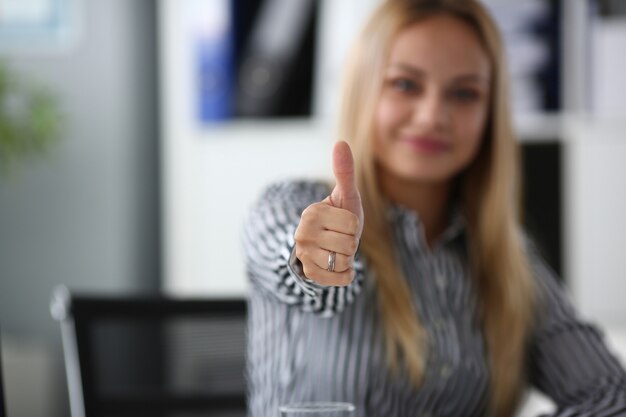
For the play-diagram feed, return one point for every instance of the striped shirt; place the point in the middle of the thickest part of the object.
(314, 343)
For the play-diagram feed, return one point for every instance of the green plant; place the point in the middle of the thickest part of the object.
(29, 119)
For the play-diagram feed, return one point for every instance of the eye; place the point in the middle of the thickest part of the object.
(465, 94)
(403, 85)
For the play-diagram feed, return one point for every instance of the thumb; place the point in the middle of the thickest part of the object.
(345, 194)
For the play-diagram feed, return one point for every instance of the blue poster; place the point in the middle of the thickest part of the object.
(214, 59)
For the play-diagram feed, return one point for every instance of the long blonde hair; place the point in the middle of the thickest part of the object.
(489, 190)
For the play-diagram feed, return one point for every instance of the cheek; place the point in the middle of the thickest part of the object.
(386, 122)
(383, 120)
(388, 115)
(382, 125)
(470, 128)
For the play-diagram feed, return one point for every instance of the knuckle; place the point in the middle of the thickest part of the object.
(297, 236)
(304, 231)
(349, 262)
(306, 221)
(316, 208)
(354, 245)
(308, 271)
(302, 253)
(309, 215)
(354, 223)
(321, 207)
(345, 278)
(346, 262)
(323, 278)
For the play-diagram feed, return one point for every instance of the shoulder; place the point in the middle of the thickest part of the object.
(546, 279)
(294, 192)
(554, 302)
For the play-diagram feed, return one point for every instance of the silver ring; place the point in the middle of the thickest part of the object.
(331, 261)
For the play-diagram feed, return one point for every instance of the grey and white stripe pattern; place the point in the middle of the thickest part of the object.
(308, 342)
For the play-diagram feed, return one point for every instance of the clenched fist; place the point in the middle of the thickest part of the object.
(328, 234)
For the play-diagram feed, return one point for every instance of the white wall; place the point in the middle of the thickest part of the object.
(212, 189)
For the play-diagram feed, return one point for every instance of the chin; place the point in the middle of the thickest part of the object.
(427, 177)
(426, 172)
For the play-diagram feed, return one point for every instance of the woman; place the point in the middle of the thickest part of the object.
(409, 288)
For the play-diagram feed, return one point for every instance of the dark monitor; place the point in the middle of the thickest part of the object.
(543, 206)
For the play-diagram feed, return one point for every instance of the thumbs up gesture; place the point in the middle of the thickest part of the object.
(328, 234)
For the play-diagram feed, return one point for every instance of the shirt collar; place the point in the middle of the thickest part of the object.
(409, 219)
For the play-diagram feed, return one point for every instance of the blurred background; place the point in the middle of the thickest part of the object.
(135, 136)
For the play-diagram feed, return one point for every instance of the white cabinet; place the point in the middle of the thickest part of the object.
(595, 175)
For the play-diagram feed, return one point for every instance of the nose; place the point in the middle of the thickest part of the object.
(430, 112)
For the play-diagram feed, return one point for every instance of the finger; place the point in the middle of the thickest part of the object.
(337, 242)
(333, 218)
(343, 168)
(345, 194)
(320, 258)
(323, 277)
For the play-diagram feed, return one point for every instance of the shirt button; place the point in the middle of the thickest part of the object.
(441, 281)
(445, 372)
(440, 324)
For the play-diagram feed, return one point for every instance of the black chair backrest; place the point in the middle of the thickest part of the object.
(153, 356)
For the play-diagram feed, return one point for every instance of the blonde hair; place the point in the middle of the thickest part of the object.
(489, 190)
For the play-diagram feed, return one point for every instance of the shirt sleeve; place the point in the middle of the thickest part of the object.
(269, 247)
(569, 360)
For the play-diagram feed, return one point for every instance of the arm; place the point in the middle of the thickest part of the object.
(269, 247)
(568, 358)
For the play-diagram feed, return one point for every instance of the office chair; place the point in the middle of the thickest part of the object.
(153, 356)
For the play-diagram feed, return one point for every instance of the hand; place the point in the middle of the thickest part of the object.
(334, 224)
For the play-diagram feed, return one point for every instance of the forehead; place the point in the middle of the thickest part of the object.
(441, 45)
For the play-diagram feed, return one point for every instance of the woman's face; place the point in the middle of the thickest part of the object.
(434, 103)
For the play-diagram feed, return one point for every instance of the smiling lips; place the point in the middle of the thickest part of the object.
(426, 145)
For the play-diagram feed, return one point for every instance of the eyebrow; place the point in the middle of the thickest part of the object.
(420, 73)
